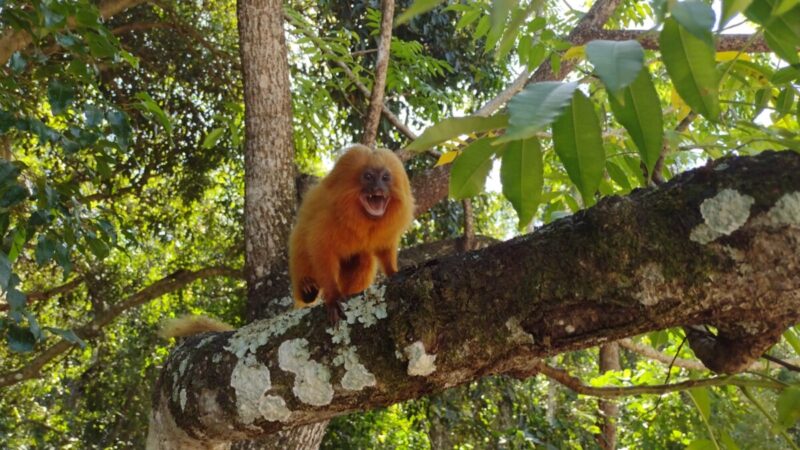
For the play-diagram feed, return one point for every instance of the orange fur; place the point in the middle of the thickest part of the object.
(336, 245)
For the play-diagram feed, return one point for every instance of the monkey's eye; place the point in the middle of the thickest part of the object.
(386, 177)
(367, 176)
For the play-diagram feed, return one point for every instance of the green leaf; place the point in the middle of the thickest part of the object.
(120, 127)
(618, 175)
(785, 75)
(154, 112)
(782, 32)
(13, 195)
(617, 63)
(702, 401)
(732, 7)
(512, 31)
(690, 63)
(20, 340)
(5, 271)
(17, 62)
(702, 444)
(727, 441)
(784, 6)
(456, 126)
(469, 171)
(93, 115)
(416, 8)
(793, 339)
(522, 175)
(788, 407)
(579, 145)
(212, 137)
(67, 335)
(696, 17)
(536, 107)
(99, 45)
(784, 102)
(53, 19)
(60, 95)
(641, 116)
(499, 15)
(44, 250)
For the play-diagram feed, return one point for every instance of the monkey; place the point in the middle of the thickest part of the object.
(347, 225)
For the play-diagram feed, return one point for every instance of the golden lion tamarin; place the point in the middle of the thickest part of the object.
(354, 217)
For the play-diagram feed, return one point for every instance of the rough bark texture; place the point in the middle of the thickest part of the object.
(269, 152)
(627, 266)
(609, 360)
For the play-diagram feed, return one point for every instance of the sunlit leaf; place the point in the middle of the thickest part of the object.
(690, 64)
(536, 107)
(579, 145)
(67, 335)
(456, 126)
(446, 158)
(788, 407)
(782, 32)
(213, 137)
(702, 400)
(522, 175)
(471, 168)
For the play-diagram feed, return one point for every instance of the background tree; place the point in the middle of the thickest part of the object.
(125, 185)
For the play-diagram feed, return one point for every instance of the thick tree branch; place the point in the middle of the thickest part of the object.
(627, 266)
(746, 43)
(15, 40)
(171, 283)
(381, 68)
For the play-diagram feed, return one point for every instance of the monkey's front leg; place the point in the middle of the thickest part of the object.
(388, 259)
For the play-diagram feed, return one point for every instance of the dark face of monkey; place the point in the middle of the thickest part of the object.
(376, 183)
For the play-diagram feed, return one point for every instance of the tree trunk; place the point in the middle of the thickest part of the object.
(609, 360)
(719, 245)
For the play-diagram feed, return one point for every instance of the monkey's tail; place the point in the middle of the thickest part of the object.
(191, 325)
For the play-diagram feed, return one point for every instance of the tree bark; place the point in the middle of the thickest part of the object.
(609, 360)
(718, 245)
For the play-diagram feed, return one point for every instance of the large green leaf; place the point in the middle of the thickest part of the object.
(697, 17)
(522, 175)
(60, 95)
(690, 63)
(788, 407)
(537, 106)
(782, 32)
(579, 144)
(639, 111)
(470, 169)
(617, 63)
(456, 126)
(702, 401)
(20, 340)
(732, 7)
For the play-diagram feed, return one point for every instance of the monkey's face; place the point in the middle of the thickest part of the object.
(376, 184)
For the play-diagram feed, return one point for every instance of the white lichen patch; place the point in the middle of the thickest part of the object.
(651, 282)
(569, 329)
(248, 338)
(183, 399)
(420, 363)
(786, 210)
(312, 383)
(250, 379)
(273, 407)
(340, 333)
(356, 376)
(518, 334)
(722, 214)
(367, 308)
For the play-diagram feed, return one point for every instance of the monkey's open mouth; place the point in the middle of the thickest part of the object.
(374, 204)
